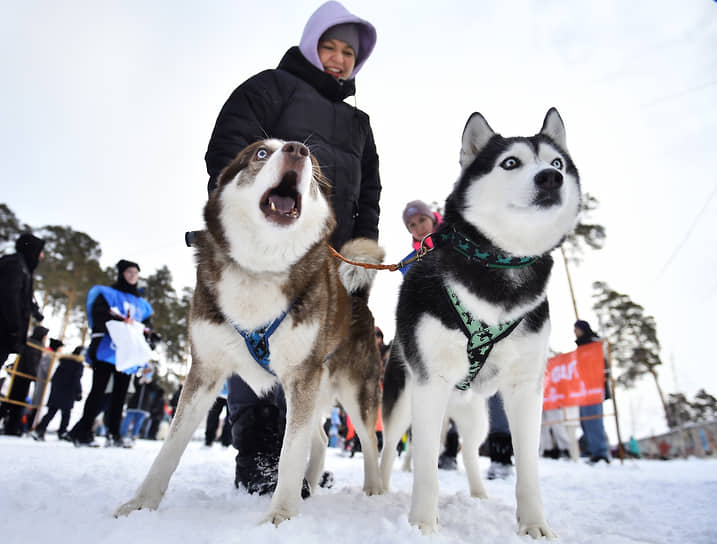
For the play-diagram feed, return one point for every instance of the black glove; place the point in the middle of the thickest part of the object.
(154, 339)
(36, 311)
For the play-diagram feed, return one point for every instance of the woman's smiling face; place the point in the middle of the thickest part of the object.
(337, 57)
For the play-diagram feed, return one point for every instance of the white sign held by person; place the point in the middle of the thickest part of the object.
(132, 348)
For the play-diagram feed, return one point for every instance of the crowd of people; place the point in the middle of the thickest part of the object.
(120, 302)
(303, 98)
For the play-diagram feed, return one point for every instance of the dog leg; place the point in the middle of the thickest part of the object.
(365, 429)
(428, 405)
(472, 422)
(395, 424)
(301, 401)
(523, 408)
(317, 457)
(197, 395)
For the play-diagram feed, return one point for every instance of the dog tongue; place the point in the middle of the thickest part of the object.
(282, 204)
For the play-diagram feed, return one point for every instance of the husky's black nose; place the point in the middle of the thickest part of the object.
(295, 150)
(548, 179)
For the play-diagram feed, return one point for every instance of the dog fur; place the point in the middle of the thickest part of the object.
(514, 197)
(265, 245)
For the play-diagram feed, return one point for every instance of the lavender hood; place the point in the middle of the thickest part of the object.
(330, 14)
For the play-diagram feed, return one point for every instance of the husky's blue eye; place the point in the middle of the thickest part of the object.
(557, 163)
(510, 163)
(262, 154)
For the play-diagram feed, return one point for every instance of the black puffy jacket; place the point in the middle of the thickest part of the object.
(298, 102)
(16, 292)
(66, 384)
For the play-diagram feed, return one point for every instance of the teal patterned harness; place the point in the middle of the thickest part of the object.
(481, 338)
(460, 243)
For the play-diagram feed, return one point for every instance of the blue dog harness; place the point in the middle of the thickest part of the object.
(257, 341)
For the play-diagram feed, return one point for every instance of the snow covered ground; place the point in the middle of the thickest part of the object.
(54, 492)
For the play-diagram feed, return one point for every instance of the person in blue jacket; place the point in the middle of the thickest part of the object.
(122, 302)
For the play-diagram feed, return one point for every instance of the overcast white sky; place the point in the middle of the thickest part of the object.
(106, 109)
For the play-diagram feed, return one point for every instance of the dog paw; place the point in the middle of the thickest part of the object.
(426, 527)
(130, 506)
(370, 490)
(277, 517)
(536, 530)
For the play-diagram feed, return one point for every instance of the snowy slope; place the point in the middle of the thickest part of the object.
(54, 492)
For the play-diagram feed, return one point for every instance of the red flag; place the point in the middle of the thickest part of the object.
(576, 378)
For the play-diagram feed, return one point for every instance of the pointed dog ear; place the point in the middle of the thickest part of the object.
(554, 128)
(476, 135)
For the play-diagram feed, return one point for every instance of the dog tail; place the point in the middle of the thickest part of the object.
(356, 279)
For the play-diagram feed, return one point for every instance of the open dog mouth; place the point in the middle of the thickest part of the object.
(282, 203)
(547, 198)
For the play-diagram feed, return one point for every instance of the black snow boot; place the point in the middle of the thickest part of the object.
(257, 434)
(447, 459)
(500, 448)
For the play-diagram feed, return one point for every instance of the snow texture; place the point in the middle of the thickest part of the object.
(54, 492)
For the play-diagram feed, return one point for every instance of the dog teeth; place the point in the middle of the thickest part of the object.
(272, 206)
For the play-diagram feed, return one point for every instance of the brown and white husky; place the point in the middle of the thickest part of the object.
(263, 259)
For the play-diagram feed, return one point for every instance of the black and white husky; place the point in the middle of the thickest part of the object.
(472, 315)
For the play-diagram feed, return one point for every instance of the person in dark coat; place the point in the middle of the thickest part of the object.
(66, 389)
(213, 418)
(593, 428)
(157, 411)
(17, 301)
(28, 364)
(174, 400)
(121, 302)
(302, 100)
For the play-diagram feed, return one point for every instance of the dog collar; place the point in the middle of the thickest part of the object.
(257, 341)
(481, 337)
(473, 253)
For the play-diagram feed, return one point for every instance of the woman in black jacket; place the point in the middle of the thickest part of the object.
(17, 301)
(302, 100)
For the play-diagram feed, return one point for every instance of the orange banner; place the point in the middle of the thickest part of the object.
(576, 378)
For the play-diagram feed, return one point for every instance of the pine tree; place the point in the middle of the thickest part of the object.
(585, 234)
(632, 336)
(679, 410)
(10, 228)
(70, 267)
(170, 321)
(704, 407)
